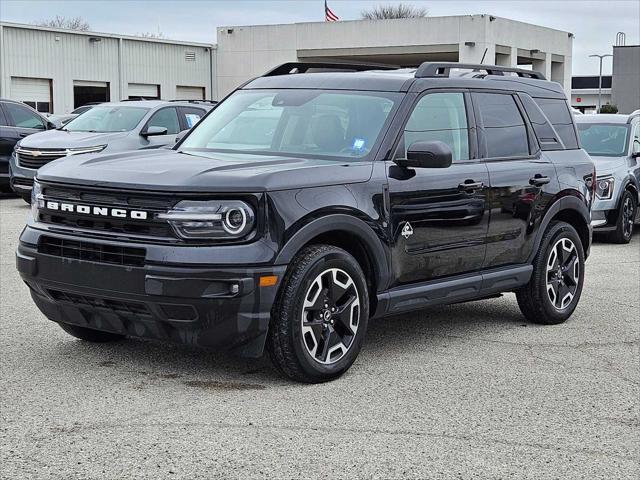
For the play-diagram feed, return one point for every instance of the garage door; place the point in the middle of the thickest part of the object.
(189, 93)
(35, 92)
(85, 92)
(143, 90)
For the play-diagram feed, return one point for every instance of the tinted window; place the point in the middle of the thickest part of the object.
(166, 118)
(442, 117)
(504, 128)
(557, 112)
(604, 140)
(191, 115)
(549, 139)
(107, 119)
(3, 120)
(23, 117)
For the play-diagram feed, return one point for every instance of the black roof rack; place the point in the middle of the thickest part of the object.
(303, 67)
(442, 69)
(211, 102)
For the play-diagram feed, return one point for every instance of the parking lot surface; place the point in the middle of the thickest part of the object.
(463, 391)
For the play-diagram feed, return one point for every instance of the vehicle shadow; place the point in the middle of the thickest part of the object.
(154, 361)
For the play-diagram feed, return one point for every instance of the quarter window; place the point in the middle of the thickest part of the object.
(504, 128)
(557, 112)
(438, 117)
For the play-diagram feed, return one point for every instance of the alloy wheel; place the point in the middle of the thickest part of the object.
(628, 215)
(330, 316)
(563, 273)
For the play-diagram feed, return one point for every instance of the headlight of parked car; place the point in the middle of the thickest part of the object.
(36, 199)
(604, 187)
(215, 220)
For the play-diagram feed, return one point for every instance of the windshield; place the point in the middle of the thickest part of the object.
(604, 140)
(107, 119)
(314, 123)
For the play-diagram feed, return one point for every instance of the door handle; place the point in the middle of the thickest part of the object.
(469, 185)
(539, 180)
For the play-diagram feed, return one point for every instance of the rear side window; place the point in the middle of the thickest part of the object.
(549, 139)
(3, 120)
(505, 132)
(557, 111)
(191, 115)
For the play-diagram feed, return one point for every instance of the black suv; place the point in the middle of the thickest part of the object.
(315, 198)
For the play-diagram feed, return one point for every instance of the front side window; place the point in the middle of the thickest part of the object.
(102, 119)
(504, 129)
(604, 140)
(438, 117)
(166, 118)
(308, 123)
(23, 117)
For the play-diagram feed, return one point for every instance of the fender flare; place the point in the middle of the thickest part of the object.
(347, 223)
(568, 202)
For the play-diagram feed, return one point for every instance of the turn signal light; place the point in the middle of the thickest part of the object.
(268, 281)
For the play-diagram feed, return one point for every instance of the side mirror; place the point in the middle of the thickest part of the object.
(154, 132)
(635, 153)
(51, 126)
(433, 154)
(181, 135)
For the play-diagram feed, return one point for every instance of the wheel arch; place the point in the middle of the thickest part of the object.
(572, 210)
(352, 235)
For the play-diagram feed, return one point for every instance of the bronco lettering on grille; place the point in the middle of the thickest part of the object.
(98, 211)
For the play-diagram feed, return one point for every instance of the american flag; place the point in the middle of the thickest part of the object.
(329, 16)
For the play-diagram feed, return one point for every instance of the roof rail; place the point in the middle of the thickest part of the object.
(210, 102)
(442, 69)
(302, 67)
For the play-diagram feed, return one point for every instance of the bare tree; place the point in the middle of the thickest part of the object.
(158, 35)
(75, 23)
(400, 10)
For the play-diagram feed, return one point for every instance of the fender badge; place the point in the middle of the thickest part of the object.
(407, 230)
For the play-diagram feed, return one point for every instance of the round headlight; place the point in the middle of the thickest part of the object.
(234, 221)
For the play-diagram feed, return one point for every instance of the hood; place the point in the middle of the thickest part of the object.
(65, 139)
(608, 164)
(170, 170)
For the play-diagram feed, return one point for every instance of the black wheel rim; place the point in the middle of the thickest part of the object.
(330, 316)
(563, 273)
(627, 217)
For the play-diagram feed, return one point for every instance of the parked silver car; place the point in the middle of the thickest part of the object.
(109, 127)
(613, 141)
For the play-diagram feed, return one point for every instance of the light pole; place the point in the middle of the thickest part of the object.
(601, 57)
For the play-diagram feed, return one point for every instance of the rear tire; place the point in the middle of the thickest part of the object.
(554, 290)
(90, 335)
(626, 219)
(319, 320)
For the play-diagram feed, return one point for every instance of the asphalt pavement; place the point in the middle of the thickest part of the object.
(464, 391)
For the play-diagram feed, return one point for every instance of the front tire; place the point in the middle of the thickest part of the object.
(554, 289)
(626, 219)
(319, 320)
(90, 335)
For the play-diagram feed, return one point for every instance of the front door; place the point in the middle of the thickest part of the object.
(439, 216)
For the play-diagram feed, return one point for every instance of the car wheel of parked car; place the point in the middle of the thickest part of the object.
(26, 198)
(626, 219)
(319, 320)
(89, 334)
(554, 289)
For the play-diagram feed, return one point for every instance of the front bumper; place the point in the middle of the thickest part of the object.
(206, 305)
(21, 179)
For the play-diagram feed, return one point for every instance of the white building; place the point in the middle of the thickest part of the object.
(248, 51)
(57, 70)
(584, 92)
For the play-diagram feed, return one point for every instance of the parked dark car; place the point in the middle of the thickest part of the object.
(307, 203)
(17, 121)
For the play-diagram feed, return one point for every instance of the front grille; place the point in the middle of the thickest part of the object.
(92, 252)
(35, 158)
(152, 204)
(23, 182)
(117, 306)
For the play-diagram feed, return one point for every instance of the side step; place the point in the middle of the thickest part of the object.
(452, 290)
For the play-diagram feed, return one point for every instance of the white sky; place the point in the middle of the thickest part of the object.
(594, 23)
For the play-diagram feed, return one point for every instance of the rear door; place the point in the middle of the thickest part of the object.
(439, 215)
(522, 178)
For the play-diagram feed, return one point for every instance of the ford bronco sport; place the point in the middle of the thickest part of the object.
(315, 198)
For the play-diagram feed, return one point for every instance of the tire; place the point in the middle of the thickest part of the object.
(26, 198)
(89, 334)
(626, 217)
(307, 339)
(545, 298)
